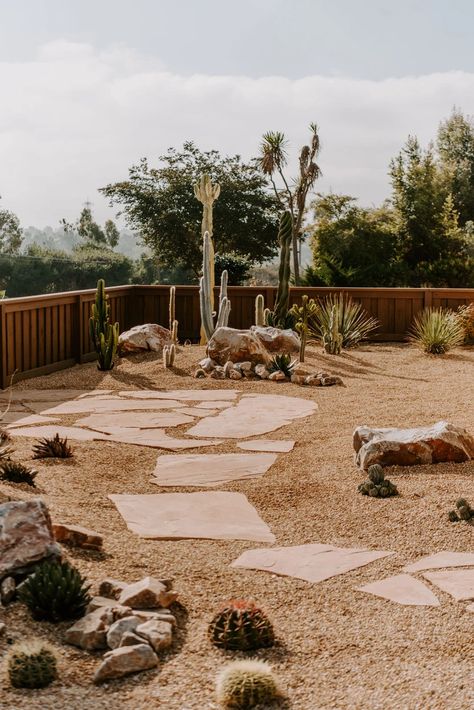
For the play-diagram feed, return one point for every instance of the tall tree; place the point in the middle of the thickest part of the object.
(455, 146)
(159, 204)
(11, 234)
(91, 232)
(292, 194)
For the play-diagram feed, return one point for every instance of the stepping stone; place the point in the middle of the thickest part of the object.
(459, 583)
(210, 469)
(16, 419)
(195, 412)
(442, 559)
(313, 563)
(136, 420)
(69, 432)
(40, 395)
(155, 438)
(185, 395)
(403, 589)
(96, 393)
(277, 445)
(95, 404)
(213, 515)
(214, 405)
(253, 415)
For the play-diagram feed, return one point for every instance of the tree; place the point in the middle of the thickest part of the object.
(160, 205)
(237, 267)
(273, 159)
(90, 231)
(455, 147)
(10, 233)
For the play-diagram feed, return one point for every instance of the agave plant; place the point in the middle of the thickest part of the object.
(436, 330)
(16, 472)
(55, 448)
(339, 322)
(282, 363)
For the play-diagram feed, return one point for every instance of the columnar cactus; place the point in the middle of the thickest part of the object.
(259, 310)
(207, 314)
(103, 335)
(169, 353)
(207, 194)
(280, 311)
(172, 316)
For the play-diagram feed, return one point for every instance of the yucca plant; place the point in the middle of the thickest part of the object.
(339, 323)
(16, 472)
(55, 448)
(436, 330)
(241, 626)
(466, 318)
(282, 363)
(32, 664)
(55, 592)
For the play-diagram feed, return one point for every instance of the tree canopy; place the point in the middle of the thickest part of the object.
(10, 233)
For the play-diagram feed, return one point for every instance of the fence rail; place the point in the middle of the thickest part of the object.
(41, 334)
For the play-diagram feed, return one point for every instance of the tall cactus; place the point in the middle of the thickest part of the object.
(259, 310)
(207, 314)
(279, 316)
(172, 316)
(207, 194)
(103, 334)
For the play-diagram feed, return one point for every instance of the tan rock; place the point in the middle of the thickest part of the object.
(119, 627)
(331, 380)
(124, 661)
(235, 374)
(26, 536)
(245, 366)
(147, 594)
(207, 364)
(90, 632)
(408, 447)
(298, 379)
(313, 381)
(7, 590)
(101, 602)
(262, 372)
(278, 376)
(130, 639)
(228, 367)
(158, 615)
(112, 588)
(159, 634)
(218, 373)
(149, 336)
(236, 345)
(276, 340)
(77, 536)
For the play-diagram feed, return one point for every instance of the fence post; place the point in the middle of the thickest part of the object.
(427, 297)
(3, 348)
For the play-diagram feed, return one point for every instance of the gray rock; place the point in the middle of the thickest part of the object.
(207, 364)
(119, 627)
(7, 590)
(218, 373)
(130, 639)
(158, 615)
(148, 593)
(124, 661)
(159, 634)
(228, 367)
(112, 588)
(235, 374)
(262, 372)
(90, 632)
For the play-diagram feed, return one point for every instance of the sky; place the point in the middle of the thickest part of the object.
(88, 88)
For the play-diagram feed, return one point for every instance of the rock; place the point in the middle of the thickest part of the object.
(245, 366)
(207, 364)
(298, 379)
(218, 373)
(228, 367)
(249, 375)
(158, 615)
(149, 336)
(313, 381)
(130, 639)
(277, 376)
(276, 340)
(112, 588)
(147, 594)
(90, 632)
(119, 627)
(26, 536)
(77, 536)
(199, 374)
(408, 447)
(302, 369)
(7, 590)
(235, 374)
(323, 375)
(262, 372)
(3, 628)
(236, 345)
(159, 634)
(331, 380)
(124, 661)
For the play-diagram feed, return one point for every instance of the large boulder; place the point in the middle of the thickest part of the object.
(408, 447)
(26, 536)
(149, 336)
(237, 346)
(276, 340)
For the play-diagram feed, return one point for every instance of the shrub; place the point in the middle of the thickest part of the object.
(15, 472)
(55, 592)
(377, 486)
(436, 331)
(466, 318)
(245, 684)
(339, 322)
(32, 665)
(55, 448)
(241, 626)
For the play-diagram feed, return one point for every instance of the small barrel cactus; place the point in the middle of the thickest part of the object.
(241, 626)
(246, 684)
(32, 664)
(463, 511)
(377, 486)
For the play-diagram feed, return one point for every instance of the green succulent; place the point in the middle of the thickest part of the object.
(241, 626)
(282, 363)
(32, 665)
(56, 591)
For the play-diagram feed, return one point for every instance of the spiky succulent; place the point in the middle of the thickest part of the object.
(241, 626)
(32, 664)
(16, 472)
(55, 592)
(282, 363)
(377, 486)
(55, 448)
(436, 330)
(245, 684)
(463, 512)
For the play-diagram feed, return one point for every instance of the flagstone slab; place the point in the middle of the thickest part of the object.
(402, 589)
(442, 559)
(210, 469)
(277, 445)
(40, 395)
(212, 515)
(459, 583)
(16, 419)
(185, 395)
(96, 393)
(96, 404)
(214, 405)
(253, 415)
(134, 420)
(195, 412)
(154, 438)
(69, 432)
(313, 562)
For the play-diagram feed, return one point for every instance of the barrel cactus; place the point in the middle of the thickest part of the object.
(32, 665)
(241, 626)
(246, 684)
(377, 486)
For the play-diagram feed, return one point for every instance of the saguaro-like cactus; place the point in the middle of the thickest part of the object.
(207, 194)
(207, 314)
(172, 313)
(169, 352)
(103, 334)
(259, 310)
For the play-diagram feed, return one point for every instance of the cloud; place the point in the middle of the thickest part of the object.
(76, 118)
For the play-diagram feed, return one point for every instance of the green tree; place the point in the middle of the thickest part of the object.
(90, 231)
(455, 147)
(10, 233)
(159, 204)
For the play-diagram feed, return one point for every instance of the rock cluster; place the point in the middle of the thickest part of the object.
(300, 375)
(132, 620)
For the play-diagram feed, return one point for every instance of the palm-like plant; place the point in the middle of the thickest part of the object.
(436, 330)
(338, 316)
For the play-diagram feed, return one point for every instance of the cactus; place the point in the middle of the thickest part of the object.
(32, 664)
(241, 626)
(103, 335)
(15, 472)
(172, 316)
(56, 591)
(207, 194)
(259, 310)
(207, 315)
(169, 352)
(332, 338)
(280, 316)
(55, 448)
(301, 315)
(377, 486)
(463, 512)
(246, 684)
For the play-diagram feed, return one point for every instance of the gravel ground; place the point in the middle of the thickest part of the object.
(338, 648)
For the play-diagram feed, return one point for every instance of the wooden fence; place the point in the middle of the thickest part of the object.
(41, 334)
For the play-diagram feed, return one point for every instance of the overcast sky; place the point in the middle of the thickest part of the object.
(88, 88)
